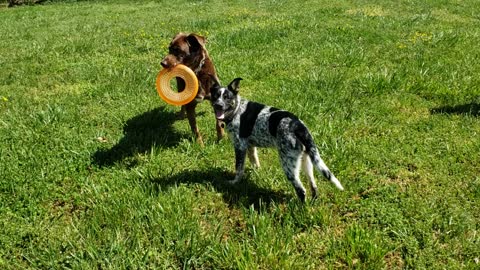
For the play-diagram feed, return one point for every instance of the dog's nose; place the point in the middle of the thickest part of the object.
(218, 107)
(165, 64)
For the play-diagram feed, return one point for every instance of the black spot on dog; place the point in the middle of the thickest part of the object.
(248, 118)
(273, 109)
(275, 119)
(302, 134)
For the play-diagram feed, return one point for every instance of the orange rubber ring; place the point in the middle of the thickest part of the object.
(177, 98)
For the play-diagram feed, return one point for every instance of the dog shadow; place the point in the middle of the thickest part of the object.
(464, 109)
(244, 193)
(142, 133)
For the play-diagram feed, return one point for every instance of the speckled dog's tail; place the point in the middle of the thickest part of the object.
(306, 139)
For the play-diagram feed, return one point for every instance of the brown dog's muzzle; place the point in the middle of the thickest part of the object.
(169, 61)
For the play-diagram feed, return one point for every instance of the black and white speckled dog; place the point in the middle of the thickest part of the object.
(252, 125)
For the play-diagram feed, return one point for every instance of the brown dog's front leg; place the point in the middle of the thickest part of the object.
(181, 114)
(192, 120)
(180, 87)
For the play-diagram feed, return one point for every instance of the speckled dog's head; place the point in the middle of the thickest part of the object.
(225, 100)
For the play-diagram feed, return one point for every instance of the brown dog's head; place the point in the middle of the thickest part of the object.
(186, 49)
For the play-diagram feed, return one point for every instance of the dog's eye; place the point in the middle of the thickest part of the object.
(174, 50)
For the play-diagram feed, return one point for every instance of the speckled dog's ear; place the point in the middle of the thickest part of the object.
(234, 86)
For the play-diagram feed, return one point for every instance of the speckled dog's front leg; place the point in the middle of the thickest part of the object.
(240, 155)
(253, 156)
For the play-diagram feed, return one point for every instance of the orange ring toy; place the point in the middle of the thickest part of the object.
(177, 98)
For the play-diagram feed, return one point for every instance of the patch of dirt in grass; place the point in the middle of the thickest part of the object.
(394, 260)
(370, 11)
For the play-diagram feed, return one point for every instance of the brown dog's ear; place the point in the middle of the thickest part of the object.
(201, 39)
(234, 86)
(195, 41)
(215, 83)
(215, 80)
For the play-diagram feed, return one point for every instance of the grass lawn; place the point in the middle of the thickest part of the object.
(95, 173)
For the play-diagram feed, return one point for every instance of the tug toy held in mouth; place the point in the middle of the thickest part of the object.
(170, 96)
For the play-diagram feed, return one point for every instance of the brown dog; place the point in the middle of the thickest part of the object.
(189, 50)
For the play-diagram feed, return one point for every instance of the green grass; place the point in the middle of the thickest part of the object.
(96, 174)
